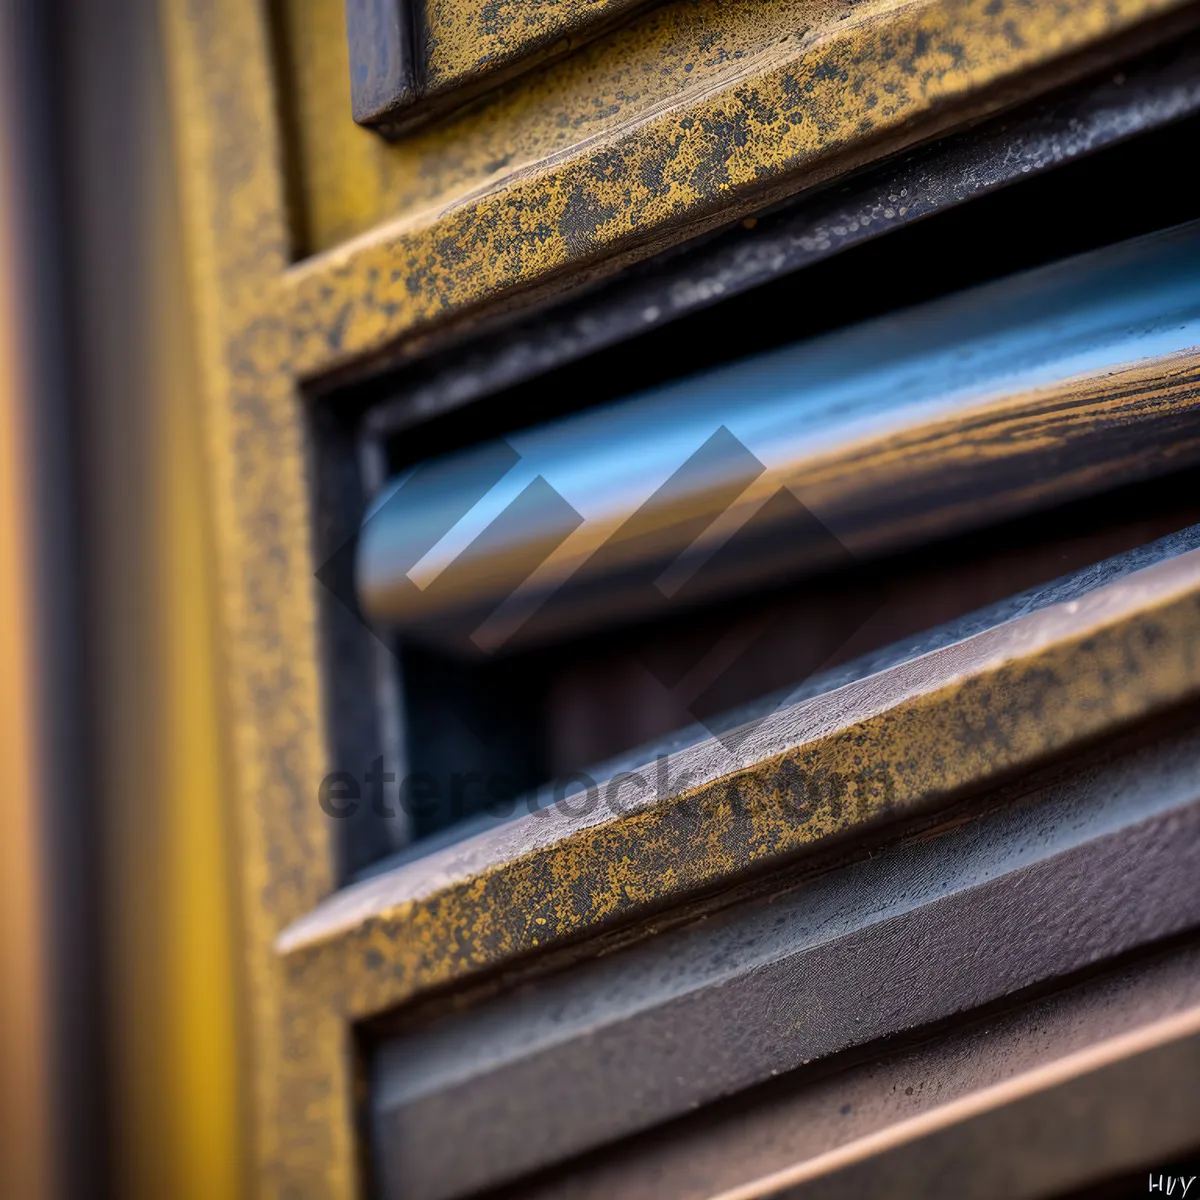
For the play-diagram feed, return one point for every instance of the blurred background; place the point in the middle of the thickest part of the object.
(118, 1019)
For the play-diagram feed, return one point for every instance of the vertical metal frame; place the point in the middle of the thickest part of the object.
(300, 1068)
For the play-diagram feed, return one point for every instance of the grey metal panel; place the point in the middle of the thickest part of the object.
(1043, 884)
(811, 1113)
(1127, 1108)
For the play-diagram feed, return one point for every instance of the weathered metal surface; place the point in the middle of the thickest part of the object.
(780, 96)
(924, 422)
(1144, 95)
(1129, 1102)
(902, 741)
(454, 50)
(469, 38)
(920, 932)
(500, 204)
(813, 1111)
(1061, 590)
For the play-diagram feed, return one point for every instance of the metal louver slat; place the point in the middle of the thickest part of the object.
(1024, 393)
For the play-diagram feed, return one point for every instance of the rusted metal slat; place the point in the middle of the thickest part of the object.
(1147, 94)
(906, 740)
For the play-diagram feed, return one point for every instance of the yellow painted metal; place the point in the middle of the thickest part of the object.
(300, 1132)
(899, 742)
(198, 957)
(176, 1068)
(690, 115)
(472, 41)
(465, 37)
(174, 949)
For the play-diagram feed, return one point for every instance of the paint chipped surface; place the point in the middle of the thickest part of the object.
(687, 117)
(467, 38)
(898, 743)
(677, 120)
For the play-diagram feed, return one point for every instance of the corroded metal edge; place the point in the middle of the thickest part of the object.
(1147, 94)
(899, 742)
(469, 38)
(465, 49)
(819, 105)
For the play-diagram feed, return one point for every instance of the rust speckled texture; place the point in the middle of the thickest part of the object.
(688, 116)
(299, 1080)
(902, 741)
(693, 115)
(465, 37)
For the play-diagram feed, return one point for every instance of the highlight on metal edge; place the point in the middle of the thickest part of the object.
(673, 494)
